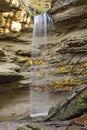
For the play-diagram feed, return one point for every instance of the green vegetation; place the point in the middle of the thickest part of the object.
(51, 110)
(26, 118)
(21, 128)
(80, 105)
(25, 128)
(41, 5)
(36, 128)
(82, 100)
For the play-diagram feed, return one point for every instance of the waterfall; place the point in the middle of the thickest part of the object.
(40, 30)
(39, 100)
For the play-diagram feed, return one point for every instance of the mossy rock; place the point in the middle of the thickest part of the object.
(77, 108)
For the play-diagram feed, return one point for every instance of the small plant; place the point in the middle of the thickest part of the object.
(40, 5)
(82, 100)
(26, 118)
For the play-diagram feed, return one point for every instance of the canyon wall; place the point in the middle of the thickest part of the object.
(69, 51)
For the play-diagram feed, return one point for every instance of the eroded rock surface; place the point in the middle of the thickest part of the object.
(9, 72)
(70, 48)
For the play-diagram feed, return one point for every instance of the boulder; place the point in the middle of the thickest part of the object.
(9, 72)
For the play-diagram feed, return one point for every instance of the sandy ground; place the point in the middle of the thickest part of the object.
(14, 104)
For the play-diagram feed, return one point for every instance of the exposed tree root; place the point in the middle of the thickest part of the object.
(67, 125)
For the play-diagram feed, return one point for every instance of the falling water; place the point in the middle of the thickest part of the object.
(40, 30)
(39, 100)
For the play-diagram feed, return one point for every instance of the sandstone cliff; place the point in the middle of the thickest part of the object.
(70, 54)
(13, 17)
(70, 48)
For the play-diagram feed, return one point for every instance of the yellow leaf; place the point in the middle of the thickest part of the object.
(43, 63)
(85, 64)
(69, 74)
(30, 62)
(22, 59)
(41, 74)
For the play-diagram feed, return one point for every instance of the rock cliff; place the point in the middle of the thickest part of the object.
(66, 52)
(70, 49)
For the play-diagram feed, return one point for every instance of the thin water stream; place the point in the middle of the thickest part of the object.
(39, 100)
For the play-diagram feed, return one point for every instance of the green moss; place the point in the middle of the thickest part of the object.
(80, 105)
(77, 109)
(26, 118)
(21, 128)
(82, 100)
(34, 128)
(26, 127)
(51, 110)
